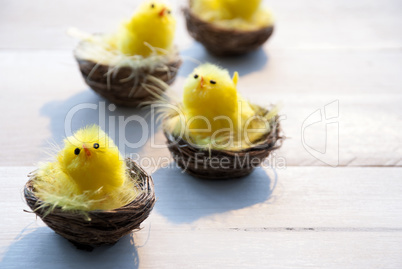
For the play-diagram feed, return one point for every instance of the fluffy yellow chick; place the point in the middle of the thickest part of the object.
(228, 9)
(88, 173)
(238, 14)
(152, 24)
(239, 8)
(92, 160)
(209, 92)
(214, 110)
(208, 9)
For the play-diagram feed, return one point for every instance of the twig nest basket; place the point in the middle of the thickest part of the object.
(225, 42)
(224, 164)
(127, 85)
(87, 230)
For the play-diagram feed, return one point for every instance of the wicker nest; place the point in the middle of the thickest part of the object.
(223, 164)
(122, 87)
(96, 228)
(224, 42)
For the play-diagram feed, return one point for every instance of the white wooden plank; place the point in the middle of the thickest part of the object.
(295, 197)
(41, 87)
(42, 25)
(290, 217)
(205, 249)
(307, 197)
(309, 71)
(366, 129)
(329, 24)
(336, 24)
(351, 218)
(279, 72)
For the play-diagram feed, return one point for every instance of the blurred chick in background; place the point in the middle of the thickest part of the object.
(227, 9)
(239, 8)
(214, 110)
(152, 24)
(89, 173)
(233, 13)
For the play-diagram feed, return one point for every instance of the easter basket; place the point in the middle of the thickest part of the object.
(96, 228)
(126, 85)
(224, 164)
(225, 42)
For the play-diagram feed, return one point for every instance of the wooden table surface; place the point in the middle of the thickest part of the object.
(330, 198)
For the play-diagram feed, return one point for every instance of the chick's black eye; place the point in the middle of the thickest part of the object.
(152, 5)
(212, 81)
(169, 11)
(96, 146)
(77, 151)
(195, 76)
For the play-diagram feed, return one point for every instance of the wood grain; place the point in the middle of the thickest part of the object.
(44, 86)
(351, 218)
(341, 59)
(308, 24)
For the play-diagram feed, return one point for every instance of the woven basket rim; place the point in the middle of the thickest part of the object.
(220, 163)
(147, 193)
(173, 59)
(262, 144)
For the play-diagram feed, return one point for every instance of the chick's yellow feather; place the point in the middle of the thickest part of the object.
(88, 173)
(152, 24)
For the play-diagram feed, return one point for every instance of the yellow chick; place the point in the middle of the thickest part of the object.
(152, 24)
(208, 9)
(89, 169)
(209, 92)
(212, 106)
(239, 8)
(233, 14)
(214, 115)
(226, 9)
(92, 160)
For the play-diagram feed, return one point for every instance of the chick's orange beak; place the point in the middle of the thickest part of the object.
(87, 151)
(162, 12)
(202, 82)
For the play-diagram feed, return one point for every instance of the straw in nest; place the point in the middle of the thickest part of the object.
(224, 164)
(225, 42)
(125, 85)
(87, 230)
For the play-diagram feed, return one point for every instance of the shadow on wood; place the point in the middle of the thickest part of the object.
(244, 64)
(42, 248)
(130, 128)
(182, 198)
